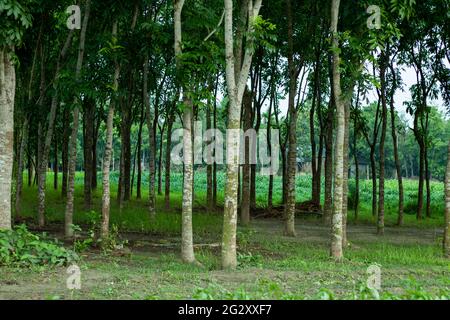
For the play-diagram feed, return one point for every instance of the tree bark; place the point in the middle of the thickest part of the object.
(19, 187)
(347, 103)
(7, 96)
(289, 214)
(167, 164)
(328, 204)
(447, 207)
(187, 247)
(247, 123)
(55, 164)
(337, 223)
(43, 163)
(65, 153)
(89, 109)
(73, 139)
(106, 193)
(236, 78)
(356, 200)
(151, 143)
(139, 155)
(209, 167)
(396, 157)
(380, 223)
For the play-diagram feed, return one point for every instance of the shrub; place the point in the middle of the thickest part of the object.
(19, 247)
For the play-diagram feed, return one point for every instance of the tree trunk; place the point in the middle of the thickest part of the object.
(447, 207)
(168, 150)
(94, 154)
(161, 137)
(356, 200)
(236, 79)
(380, 223)
(209, 167)
(19, 187)
(421, 180)
(187, 247)
(55, 165)
(151, 143)
(88, 147)
(139, 154)
(7, 96)
(347, 103)
(397, 160)
(289, 213)
(245, 204)
(328, 205)
(43, 163)
(337, 223)
(73, 138)
(106, 193)
(427, 184)
(65, 153)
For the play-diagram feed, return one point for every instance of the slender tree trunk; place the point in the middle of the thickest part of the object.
(347, 103)
(236, 78)
(380, 223)
(106, 193)
(427, 185)
(73, 138)
(245, 204)
(397, 161)
(7, 96)
(421, 180)
(447, 207)
(167, 169)
(65, 153)
(373, 171)
(88, 147)
(356, 200)
(139, 155)
(269, 147)
(161, 137)
(30, 166)
(151, 143)
(94, 155)
(19, 187)
(328, 205)
(55, 165)
(214, 195)
(209, 167)
(43, 163)
(337, 223)
(187, 246)
(292, 133)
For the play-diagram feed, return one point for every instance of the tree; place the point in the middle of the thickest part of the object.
(237, 70)
(447, 207)
(106, 193)
(73, 139)
(15, 19)
(336, 223)
(187, 247)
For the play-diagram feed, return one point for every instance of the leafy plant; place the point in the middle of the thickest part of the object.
(19, 247)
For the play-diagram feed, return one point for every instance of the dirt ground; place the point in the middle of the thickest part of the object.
(151, 269)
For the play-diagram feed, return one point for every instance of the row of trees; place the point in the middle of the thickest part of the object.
(155, 65)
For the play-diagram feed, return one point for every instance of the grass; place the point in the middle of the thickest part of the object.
(271, 266)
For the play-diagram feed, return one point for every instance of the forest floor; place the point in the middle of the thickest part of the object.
(271, 266)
